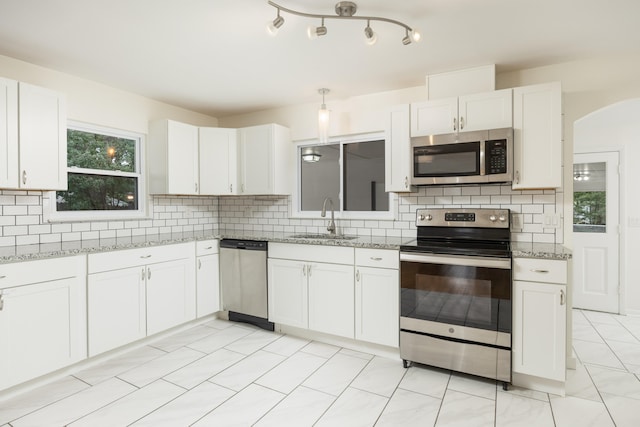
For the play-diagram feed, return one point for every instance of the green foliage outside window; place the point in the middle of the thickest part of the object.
(97, 183)
(590, 208)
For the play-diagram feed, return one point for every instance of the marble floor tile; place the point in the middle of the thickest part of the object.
(572, 411)
(175, 341)
(513, 410)
(624, 410)
(321, 349)
(78, 405)
(426, 380)
(380, 376)
(243, 409)
(291, 373)
(354, 408)
(132, 407)
(28, 402)
(596, 353)
(626, 352)
(219, 324)
(219, 339)
(336, 374)
(187, 408)
(632, 368)
(599, 317)
(159, 367)
(286, 345)
(615, 332)
(465, 410)
(586, 332)
(618, 383)
(252, 342)
(579, 318)
(301, 408)
(247, 370)
(204, 368)
(354, 353)
(409, 409)
(579, 384)
(476, 386)
(524, 392)
(119, 364)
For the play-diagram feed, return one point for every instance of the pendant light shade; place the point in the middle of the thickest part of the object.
(323, 119)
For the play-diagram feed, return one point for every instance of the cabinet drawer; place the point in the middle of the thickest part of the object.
(206, 247)
(28, 272)
(382, 258)
(314, 253)
(106, 261)
(540, 270)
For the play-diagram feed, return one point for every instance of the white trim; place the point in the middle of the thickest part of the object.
(51, 215)
(296, 213)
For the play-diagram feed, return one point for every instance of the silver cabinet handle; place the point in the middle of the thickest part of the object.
(199, 264)
(455, 124)
(148, 273)
(561, 297)
(517, 177)
(309, 270)
(304, 270)
(145, 256)
(1, 300)
(375, 258)
(2, 277)
(142, 277)
(24, 177)
(196, 187)
(230, 188)
(461, 123)
(357, 275)
(533, 270)
(208, 247)
(406, 182)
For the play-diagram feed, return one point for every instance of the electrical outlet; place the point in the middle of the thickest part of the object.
(516, 221)
(551, 221)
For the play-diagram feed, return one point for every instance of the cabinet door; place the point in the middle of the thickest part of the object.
(116, 308)
(38, 332)
(537, 136)
(182, 158)
(208, 285)
(331, 299)
(288, 292)
(218, 161)
(43, 139)
(377, 305)
(171, 294)
(434, 117)
(539, 329)
(492, 110)
(256, 160)
(398, 150)
(8, 133)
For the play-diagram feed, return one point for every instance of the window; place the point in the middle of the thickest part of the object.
(104, 175)
(351, 172)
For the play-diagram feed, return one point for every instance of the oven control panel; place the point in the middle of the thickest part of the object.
(485, 218)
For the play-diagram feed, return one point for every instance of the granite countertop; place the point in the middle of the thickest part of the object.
(540, 250)
(51, 250)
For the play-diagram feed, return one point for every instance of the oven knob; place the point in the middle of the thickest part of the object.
(502, 218)
(493, 218)
(451, 330)
(427, 217)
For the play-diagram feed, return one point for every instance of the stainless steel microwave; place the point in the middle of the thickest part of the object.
(463, 158)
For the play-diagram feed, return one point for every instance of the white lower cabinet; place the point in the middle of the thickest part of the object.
(42, 317)
(207, 277)
(288, 292)
(331, 299)
(539, 321)
(138, 292)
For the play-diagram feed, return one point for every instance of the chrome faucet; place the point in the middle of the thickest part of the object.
(331, 228)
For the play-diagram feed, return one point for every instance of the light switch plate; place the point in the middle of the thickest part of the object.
(551, 221)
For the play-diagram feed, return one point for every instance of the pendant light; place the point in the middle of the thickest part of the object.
(323, 119)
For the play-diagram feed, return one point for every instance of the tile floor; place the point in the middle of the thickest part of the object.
(225, 374)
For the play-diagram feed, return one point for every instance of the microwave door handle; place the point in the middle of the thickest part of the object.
(483, 158)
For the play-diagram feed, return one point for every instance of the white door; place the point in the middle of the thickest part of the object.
(595, 231)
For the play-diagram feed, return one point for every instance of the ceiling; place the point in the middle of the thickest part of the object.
(215, 57)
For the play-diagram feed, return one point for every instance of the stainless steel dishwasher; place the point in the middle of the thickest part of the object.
(243, 278)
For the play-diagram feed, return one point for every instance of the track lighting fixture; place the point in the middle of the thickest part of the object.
(344, 10)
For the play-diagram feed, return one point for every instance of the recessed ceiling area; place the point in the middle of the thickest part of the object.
(215, 56)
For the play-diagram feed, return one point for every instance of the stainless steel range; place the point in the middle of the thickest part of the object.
(455, 279)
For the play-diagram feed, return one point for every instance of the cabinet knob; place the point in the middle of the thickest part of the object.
(196, 187)
(535, 270)
(230, 188)
(148, 273)
(375, 258)
(357, 275)
(142, 276)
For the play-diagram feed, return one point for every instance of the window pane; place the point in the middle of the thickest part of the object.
(104, 152)
(97, 193)
(589, 198)
(364, 177)
(319, 178)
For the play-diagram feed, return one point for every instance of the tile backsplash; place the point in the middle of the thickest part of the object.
(21, 220)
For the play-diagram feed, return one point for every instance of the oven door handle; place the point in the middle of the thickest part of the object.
(487, 262)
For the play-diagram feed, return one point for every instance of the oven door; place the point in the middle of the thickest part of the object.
(465, 298)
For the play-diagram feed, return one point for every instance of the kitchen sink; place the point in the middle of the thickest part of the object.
(324, 236)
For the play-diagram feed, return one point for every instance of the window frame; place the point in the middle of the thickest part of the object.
(296, 211)
(50, 212)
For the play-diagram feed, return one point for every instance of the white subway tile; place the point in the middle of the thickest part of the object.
(7, 220)
(51, 238)
(7, 241)
(27, 200)
(14, 210)
(38, 229)
(28, 240)
(81, 226)
(27, 220)
(90, 235)
(70, 237)
(107, 234)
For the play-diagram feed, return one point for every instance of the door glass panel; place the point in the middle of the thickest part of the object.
(590, 197)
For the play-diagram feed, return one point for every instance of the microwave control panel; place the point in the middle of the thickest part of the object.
(496, 152)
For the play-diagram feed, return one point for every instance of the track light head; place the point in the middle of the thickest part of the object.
(315, 32)
(370, 36)
(273, 26)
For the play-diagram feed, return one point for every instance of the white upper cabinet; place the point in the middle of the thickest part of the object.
(398, 150)
(265, 160)
(490, 110)
(218, 161)
(33, 139)
(537, 125)
(173, 158)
